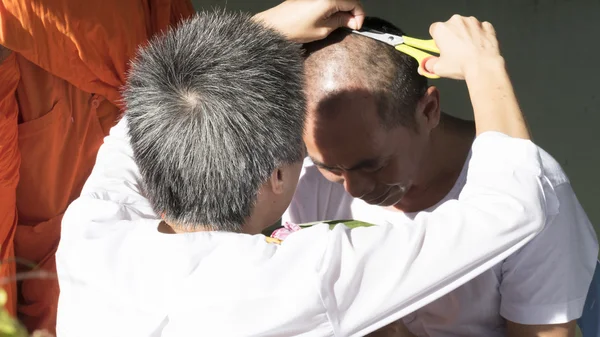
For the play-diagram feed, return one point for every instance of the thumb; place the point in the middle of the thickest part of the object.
(442, 67)
(430, 64)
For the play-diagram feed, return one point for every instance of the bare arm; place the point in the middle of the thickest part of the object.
(551, 330)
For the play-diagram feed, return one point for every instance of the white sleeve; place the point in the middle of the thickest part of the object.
(116, 177)
(370, 277)
(111, 193)
(546, 281)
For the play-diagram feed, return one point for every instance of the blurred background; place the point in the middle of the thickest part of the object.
(552, 49)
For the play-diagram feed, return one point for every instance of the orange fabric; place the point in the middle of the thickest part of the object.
(69, 61)
(9, 174)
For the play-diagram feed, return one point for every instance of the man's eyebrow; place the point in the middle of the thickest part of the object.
(320, 164)
(366, 163)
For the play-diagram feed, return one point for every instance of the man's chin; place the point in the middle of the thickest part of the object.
(386, 201)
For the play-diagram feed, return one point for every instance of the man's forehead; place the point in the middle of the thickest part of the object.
(338, 146)
(351, 99)
(330, 82)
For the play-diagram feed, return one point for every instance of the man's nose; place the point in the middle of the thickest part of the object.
(357, 185)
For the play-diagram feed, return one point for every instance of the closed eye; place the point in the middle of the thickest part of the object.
(330, 169)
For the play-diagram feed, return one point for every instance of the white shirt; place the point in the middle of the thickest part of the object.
(545, 282)
(120, 277)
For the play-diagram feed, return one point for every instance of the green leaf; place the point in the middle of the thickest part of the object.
(331, 223)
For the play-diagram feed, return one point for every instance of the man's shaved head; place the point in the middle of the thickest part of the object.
(350, 62)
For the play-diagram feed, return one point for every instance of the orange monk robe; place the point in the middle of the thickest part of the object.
(59, 93)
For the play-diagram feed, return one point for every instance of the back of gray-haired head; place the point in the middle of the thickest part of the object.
(214, 106)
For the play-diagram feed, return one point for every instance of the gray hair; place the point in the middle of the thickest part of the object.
(214, 107)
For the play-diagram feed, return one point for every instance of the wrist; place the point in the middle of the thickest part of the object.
(493, 98)
(272, 19)
(260, 17)
(485, 69)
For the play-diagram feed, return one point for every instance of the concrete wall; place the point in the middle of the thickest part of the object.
(552, 49)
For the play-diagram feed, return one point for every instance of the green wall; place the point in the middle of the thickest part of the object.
(551, 48)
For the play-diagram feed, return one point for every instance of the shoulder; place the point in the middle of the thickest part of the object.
(570, 211)
(552, 169)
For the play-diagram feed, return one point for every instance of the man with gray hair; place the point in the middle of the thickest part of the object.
(229, 110)
(214, 120)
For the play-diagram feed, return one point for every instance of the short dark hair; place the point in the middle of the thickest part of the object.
(213, 108)
(382, 67)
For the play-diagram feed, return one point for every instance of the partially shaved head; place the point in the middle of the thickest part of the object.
(349, 62)
(369, 115)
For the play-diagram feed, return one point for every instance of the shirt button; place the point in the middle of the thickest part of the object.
(95, 103)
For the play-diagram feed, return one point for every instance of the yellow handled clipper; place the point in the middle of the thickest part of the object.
(408, 45)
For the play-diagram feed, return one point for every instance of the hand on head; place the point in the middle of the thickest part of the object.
(305, 21)
(468, 51)
(464, 43)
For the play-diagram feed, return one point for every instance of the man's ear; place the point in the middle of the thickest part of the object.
(428, 109)
(276, 181)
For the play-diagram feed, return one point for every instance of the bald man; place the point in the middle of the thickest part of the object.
(381, 150)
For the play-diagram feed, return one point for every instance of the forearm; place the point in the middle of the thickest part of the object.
(494, 102)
